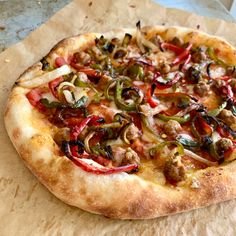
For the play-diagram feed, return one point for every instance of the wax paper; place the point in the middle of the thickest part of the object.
(26, 206)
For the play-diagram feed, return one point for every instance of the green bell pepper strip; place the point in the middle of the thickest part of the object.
(78, 104)
(136, 71)
(159, 147)
(180, 119)
(187, 142)
(213, 152)
(96, 66)
(105, 126)
(216, 112)
(120, 102)
(126, 40)
(213, 56)
(110, 84)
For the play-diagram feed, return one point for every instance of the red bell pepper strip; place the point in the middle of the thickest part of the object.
(75, 132)
(95, 120)
(150, 99)
(185, 63)
(88, 71)
(225, 133)
(226, 78)
(200, 128)
(60, 61)
(94, 169)
(76, 66)
(204, 126)
(104, 170)
(34, 97)
(172, 47)
(53, 84)
(227, 91)
(168, 84)
(91, 72)
(187, 60)
(136, 119)
(75, 121)
(182, 56)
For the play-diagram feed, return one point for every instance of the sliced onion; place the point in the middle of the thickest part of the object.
(148, 111)
(215, 71)
(65, 84)
(124, 133)
(142, 41)
(86, 141)
(45, 78)
(215, 137)
(198, 158)
(68, 96)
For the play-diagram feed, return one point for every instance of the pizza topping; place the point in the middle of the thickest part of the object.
(195, 183)
(81, 57)
(218, 110)
(215, 71)
(193, 74)
(223, 145)
(168, 82)
(179, 119)
(121, 103)
(182, 56)
(187, 140)
(151, 101)
(228, 117)
(199, 54)
(212, 54)
(202, 88)
(130, 132)
(172, 47)
(172, 128)
(142, 42)
(91, 166)
(45, 78)
(45, 64)
(60, 61)
(155, 151)
(131, 157)
(122, 92)
(199, 158)
(126, 40)
(174, 170)
(53, 85)
(34, 97)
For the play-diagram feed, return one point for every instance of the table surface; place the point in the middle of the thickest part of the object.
(18, 20)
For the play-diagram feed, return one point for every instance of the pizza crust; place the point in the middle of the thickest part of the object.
(122, 195)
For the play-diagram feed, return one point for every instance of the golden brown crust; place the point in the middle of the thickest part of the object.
(119, 195)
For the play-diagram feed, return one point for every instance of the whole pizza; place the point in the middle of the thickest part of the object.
(131, 124)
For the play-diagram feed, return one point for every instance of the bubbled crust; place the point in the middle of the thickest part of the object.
(124, 196)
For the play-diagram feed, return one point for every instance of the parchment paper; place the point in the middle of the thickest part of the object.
(27, 207)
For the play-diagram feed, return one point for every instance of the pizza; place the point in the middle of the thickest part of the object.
(131, 124)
